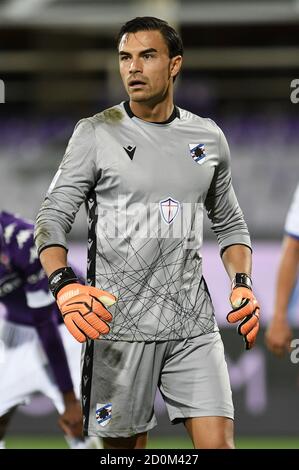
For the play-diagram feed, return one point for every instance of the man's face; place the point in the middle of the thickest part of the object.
(145, 66)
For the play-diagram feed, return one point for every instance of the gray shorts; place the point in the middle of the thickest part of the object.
(120, 379)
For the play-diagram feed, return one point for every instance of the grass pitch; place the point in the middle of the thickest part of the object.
(57, 442)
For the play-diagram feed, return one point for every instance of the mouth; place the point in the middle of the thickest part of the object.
(135, 83)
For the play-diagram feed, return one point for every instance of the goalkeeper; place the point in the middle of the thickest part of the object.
(146, 169)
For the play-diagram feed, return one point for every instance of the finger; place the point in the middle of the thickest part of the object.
(247, 324)
(97, 324)
(85, 306)
(277, 349)
(81, 307)
(65, 427)
(85, 327)
(251, 336)
(105, 297)
(74, 330)
(76, 428)
(77, 431)
(99, 310)
(248, 345)
(71, 429)
(238, 314)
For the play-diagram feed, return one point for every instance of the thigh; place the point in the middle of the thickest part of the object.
(19, 365)
(25, 369)
(194, 379)
(124, 377)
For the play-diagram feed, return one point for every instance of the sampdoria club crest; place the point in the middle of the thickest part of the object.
(103, 413)
(169, 209)
(198, 152)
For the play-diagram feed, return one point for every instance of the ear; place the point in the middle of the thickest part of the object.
(175, 65)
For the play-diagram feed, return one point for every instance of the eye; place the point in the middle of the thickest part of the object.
(124, 57)
(148, 56)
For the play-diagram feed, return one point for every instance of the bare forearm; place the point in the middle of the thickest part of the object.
(287, 275)
(237, 259)
(53, 258)
(69, 397)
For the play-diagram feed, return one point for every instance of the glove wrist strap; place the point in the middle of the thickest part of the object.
(242, 280)
(60, 278)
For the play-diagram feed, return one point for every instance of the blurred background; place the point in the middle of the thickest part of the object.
(58, 63)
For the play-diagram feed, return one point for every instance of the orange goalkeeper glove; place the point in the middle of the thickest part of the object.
(245, 308)
(82, 307)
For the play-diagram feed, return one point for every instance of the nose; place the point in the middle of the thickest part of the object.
(135, 65)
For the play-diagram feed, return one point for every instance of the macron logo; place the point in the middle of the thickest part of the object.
(130, 151)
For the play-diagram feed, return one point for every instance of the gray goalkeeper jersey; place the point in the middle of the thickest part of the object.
(145, 186)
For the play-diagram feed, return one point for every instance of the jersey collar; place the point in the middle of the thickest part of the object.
(175, 114)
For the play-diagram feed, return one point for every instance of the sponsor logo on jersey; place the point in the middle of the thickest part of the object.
(169, 209)
(22, 237)
(9, 283)
(33, 254)
(198, 152)
(35, 278)
(103, 413)
(130, 149)
(8, 232)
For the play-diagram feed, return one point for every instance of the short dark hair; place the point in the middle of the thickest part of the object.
(150, 23)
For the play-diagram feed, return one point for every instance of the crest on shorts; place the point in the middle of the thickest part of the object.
(169, 209)
(103, 413)
(198, 152)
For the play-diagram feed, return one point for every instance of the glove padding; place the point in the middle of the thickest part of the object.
(245, 308)
(83, 310)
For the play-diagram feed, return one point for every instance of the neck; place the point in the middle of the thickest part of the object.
(153, 111)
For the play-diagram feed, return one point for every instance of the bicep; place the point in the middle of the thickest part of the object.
(77, 173)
